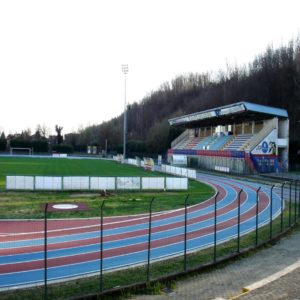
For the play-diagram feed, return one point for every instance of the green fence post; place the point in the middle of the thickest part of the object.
(185, 232)
(149, 240)
(298, 199)
(215, 228)
(101, 246)
(290, 205)
(239, 219)
(45, 253)
(281, 208)
(256, 219)
(271, 210)
(295, 204)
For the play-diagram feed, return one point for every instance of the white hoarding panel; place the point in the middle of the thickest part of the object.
(48, 183)
(191, 174)
(103, 183)
(76, 183)
(20, 183)
(128, 183)
(184, 172)
(153, 183)
(28, 183)
(132, 161)
(10, 182)
(178, 171)
(173, 170)
(173, 183)
(168, 169)
(60, 155)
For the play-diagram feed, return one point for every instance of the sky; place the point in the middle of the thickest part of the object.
(60, 60)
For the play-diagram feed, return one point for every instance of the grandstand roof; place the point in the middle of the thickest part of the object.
(229, 114)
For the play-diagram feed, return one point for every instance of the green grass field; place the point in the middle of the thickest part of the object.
(28, 204)
(64, 167)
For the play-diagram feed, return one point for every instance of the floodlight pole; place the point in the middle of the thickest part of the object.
(125, 71)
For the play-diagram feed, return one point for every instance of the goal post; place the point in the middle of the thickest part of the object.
(18, 150)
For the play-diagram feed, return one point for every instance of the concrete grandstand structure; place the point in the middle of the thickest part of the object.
(239, 138)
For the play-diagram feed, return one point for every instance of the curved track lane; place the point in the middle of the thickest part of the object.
(74, 248)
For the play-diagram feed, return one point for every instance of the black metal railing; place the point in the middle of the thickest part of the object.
(188, 259)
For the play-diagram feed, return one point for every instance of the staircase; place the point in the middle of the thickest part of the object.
(238, 142)
(257, 138)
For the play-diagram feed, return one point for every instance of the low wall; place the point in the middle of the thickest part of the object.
(88, 183)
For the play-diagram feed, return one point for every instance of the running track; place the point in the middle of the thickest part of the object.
(73, 245)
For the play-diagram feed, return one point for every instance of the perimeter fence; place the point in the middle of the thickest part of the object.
(105, 256)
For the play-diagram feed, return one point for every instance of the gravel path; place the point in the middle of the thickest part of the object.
(228, 281)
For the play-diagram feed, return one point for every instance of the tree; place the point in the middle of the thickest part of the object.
(3, 142)
(59, 137)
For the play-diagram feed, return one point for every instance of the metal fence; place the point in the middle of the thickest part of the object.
(153, 265)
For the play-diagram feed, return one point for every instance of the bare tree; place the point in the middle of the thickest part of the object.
(59, 137)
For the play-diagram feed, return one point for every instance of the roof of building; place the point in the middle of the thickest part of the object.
(229, 114)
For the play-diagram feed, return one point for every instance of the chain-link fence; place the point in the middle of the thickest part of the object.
(72, 258)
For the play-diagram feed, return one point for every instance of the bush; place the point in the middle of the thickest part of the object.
(37, 145)
(62, 148)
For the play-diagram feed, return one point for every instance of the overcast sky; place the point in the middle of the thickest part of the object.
(60, 61)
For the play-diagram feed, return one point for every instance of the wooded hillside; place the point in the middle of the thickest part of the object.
(273, 78)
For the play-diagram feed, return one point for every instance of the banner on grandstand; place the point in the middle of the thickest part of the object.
(180, 160)
(268, 146)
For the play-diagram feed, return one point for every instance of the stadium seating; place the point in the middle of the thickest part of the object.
(182, 144)
(204, 143)
(237, 142)
(193, 143)
(220, 142)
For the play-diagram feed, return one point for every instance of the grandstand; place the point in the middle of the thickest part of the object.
(241, 138)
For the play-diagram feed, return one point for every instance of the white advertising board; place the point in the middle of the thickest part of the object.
(128, 183)
(191, 173)
(20, 183)
(48, 183)
(222, 169)
(168, 169)
(173, 183)
(184, 172)
(153, 183)
(60, 155)
(76, 183)
(102, 183)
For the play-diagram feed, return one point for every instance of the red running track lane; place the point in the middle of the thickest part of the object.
(55, 262)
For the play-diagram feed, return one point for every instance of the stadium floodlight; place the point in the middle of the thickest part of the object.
(125, 71)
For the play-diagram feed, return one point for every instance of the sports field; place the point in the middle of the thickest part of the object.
(65, 167)
(28, 204)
